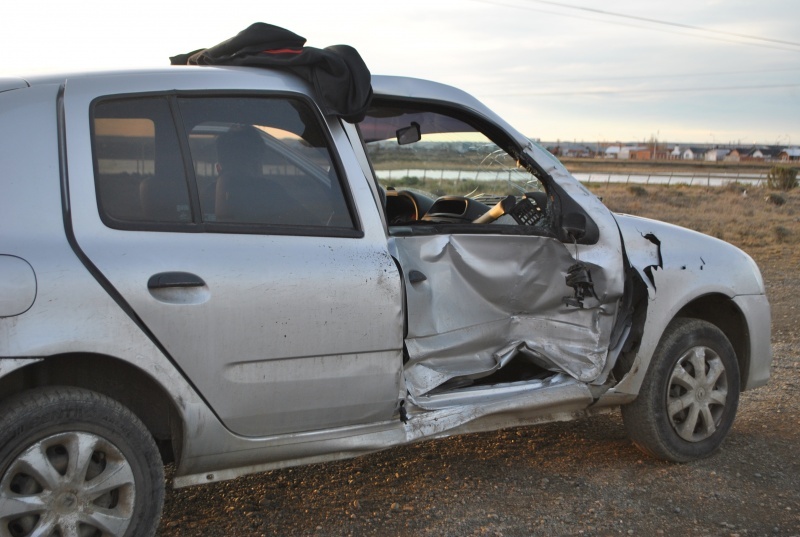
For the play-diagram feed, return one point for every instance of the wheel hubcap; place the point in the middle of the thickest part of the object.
(697, 393)
(66, 503)
(70, 484)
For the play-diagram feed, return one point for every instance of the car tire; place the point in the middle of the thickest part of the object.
(75, 462)
(688, 399)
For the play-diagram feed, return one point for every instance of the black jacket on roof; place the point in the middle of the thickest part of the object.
(339, 75)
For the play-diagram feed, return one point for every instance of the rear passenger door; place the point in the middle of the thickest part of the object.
(267, 288)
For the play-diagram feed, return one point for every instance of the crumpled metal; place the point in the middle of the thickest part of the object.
(487, 299)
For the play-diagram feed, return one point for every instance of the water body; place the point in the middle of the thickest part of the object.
(716, 179)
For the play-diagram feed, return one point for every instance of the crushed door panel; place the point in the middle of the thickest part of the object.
(487, 298)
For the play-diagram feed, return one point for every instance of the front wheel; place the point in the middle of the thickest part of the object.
(689, 397)
(74, 463)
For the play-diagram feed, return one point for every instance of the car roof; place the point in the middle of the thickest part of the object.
(390, 87)
(10, 83)
(435, 92)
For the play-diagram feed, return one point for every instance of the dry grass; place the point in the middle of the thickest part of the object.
(600, 165)
(755, 222)
(749, 218)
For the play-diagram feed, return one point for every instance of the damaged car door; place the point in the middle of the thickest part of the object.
(499, 290)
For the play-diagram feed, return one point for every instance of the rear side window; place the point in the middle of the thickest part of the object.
(262, 162)
(230, 164)
(139, 173)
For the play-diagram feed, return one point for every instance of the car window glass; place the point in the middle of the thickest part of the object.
(138, 168)
(438, 170)
(262, 161)
(451, 156)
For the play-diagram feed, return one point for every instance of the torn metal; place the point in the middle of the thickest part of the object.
(642, 247)
(445, 416)
(488, 299)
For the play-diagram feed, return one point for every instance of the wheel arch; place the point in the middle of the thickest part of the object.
(675, 417)
(722, 312)
(114, 378)
(716, 308)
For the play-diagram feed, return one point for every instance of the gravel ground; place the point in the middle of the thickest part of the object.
(577, 478)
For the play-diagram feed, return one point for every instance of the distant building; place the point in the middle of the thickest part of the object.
(716, 154)
(756, 153)
(636, 152)
(748, 154)
(764, 153)
(652, 151)
(693, 153)
(789, 154)
(735, 154)
(567, 149)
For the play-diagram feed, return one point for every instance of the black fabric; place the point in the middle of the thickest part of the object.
(339, 75)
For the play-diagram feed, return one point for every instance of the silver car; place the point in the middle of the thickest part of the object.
(202, 266)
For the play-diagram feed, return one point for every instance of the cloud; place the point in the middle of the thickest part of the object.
(553, 71)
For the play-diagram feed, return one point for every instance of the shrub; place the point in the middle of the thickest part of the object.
(782, 234)
(782, 178)
(638, 191)
(735, 187)
(775, 199)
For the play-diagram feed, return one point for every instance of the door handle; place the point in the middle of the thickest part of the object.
(174, 279)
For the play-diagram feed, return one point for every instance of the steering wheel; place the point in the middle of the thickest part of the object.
(503, 206)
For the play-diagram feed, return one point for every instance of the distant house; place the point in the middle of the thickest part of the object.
(716, 154)
(612, 151)
(754, 153)
(766, 152)
(636, 152)
(735, 154)
(789, 154)
(675, 153)
(758, 153)
(693, 153)
(580, 152)
(567, 149)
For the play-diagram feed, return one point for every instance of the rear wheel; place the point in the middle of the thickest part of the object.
(689, 397)
(75, 463)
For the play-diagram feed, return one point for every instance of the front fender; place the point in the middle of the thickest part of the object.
(680, 266)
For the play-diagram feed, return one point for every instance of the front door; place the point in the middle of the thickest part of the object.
(482, 293)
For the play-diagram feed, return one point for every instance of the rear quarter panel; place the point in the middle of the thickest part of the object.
(71, 312)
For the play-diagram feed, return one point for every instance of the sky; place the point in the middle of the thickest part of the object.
(703, 71)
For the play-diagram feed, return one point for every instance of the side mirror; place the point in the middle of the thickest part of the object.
(410, 134)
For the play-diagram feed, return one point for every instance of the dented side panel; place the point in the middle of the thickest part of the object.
(487, 297)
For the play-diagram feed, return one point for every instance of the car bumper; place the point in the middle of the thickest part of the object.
(757, 313)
